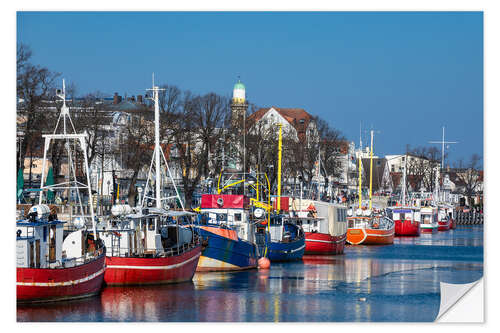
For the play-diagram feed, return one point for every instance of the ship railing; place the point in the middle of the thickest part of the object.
(168, 252)
(87, 257)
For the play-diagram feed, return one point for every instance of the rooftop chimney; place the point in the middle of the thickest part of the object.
(116, 98)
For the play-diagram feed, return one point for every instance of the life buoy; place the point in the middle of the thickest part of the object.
(375, 224)
(264, 222)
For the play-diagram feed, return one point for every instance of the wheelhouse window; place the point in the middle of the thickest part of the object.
(151, 224)
(237, 216)
(221, 217)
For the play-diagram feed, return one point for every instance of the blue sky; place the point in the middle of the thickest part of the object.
(405, 74)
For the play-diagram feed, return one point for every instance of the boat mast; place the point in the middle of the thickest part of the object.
(156, 158)
(403, 190)
(371, 167)
(360, 153)
(278, 204)
(81, 138)
(157, 146)
(319, 169)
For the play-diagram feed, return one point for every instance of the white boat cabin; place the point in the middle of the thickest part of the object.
(331, 218)
(403, 214)
(150, 232)
(40, 242)
(230, 210)
(446, 212)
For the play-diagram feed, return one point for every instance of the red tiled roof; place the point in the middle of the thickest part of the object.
(292, 115)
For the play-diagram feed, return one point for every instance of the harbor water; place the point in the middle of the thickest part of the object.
(392, 283)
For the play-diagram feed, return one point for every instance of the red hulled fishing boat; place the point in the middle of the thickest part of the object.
(406, 221)
(445, 218)
(52, 269)
(324, 224)
(151, 245)
(53, 264)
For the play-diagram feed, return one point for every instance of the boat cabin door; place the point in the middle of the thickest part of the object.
(52, 243)
(37, 253)
(31, 255)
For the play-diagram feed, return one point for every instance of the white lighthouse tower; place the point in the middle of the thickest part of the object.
(239, 105)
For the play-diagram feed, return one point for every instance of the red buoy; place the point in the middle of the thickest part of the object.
(264, 263)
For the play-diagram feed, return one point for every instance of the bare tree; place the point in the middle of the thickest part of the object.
(421, 167)
(190, 155)
(34, 85)
(470, 175)
(210, 112)
(137, 147)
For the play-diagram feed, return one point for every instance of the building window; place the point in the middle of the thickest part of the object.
(237, 217)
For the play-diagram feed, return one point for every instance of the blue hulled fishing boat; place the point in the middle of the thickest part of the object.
(228, 235)
(281, 240)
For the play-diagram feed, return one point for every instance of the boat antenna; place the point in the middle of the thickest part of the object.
(371, 165)
(443, 142)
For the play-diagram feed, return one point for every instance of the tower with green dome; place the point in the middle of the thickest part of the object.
(239, 105)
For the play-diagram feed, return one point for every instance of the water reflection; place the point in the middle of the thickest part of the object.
(87, 309)
(399, 282)
(146, 303)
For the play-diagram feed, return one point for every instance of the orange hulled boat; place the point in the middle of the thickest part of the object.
(363, 225)
(370, 230)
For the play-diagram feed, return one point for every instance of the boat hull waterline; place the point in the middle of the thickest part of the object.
(58, 284)
(157, 270)
(356, 236)
(444, 225)
(224, 253)
(429, 228)
(290, 251)
(321, 243)
(406, 228)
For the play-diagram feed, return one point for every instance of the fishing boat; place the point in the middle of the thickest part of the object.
(229, 234)
(406, 220)
(445, 218)
(324, 225)
(53, 264)
(281, 239)
(151, 245)
(364, 225)
(51, 267)
(365, 228)
(428, 217)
